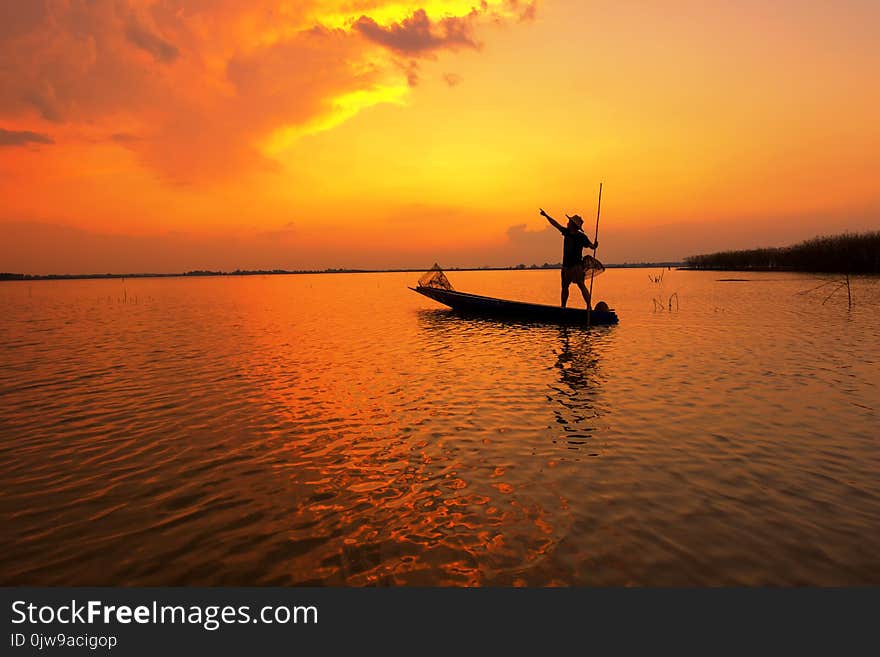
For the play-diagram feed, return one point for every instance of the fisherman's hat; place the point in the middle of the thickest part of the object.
(576, 220)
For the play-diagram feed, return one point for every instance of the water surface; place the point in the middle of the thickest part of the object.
(342, 430)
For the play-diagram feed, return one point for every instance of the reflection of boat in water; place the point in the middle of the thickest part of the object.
(520, 310)
(549, 376)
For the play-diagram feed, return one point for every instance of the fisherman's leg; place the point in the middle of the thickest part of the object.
(584, 291)
(566, 281)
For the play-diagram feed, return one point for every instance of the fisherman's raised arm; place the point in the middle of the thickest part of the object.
(553, 221)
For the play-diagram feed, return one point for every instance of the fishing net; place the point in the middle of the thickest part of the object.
(592, 267)
(435, 277)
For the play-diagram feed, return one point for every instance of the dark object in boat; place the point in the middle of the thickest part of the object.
(518, 310)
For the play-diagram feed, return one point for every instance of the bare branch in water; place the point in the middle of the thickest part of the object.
(818, 287)
(839, 287)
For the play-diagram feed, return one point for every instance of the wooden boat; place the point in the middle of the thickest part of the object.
(475, 304)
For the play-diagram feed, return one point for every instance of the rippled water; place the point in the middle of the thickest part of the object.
(340, 429)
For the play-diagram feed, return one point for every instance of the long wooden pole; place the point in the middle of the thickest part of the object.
(595, 241)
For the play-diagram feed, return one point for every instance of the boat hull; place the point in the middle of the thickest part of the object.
(474, 304)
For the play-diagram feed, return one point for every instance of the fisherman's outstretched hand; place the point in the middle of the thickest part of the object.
(543, 214)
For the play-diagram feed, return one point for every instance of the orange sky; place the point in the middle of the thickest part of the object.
(145, 135)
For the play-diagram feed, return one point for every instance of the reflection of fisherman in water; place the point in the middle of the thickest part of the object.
(572, 385)
(577, 393)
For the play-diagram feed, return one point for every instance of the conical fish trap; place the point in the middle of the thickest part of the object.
(435, 277)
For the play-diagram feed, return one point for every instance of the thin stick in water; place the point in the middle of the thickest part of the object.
(593, 270)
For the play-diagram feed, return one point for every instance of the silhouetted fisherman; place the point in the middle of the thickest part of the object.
(573, 246)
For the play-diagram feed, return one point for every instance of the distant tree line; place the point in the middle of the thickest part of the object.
(849, 253)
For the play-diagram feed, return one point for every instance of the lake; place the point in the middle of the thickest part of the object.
(339, 429)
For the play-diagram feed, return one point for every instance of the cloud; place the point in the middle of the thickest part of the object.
(20, 17)
(160, 49)
(73, 64)
(412, 73)
(452, 79)
(524, 11)
(205, 85)
(418, 35)
(22, 137)
(529, 13)
(123, 137)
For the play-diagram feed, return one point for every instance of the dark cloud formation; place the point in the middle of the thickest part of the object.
(159, 48)
(22, 137)
(418, 35)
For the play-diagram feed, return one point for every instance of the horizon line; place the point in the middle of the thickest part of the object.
(15, 276)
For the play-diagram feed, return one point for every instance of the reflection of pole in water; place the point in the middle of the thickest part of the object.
(575, 397)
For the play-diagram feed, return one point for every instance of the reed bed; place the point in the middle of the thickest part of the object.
(849, 253)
